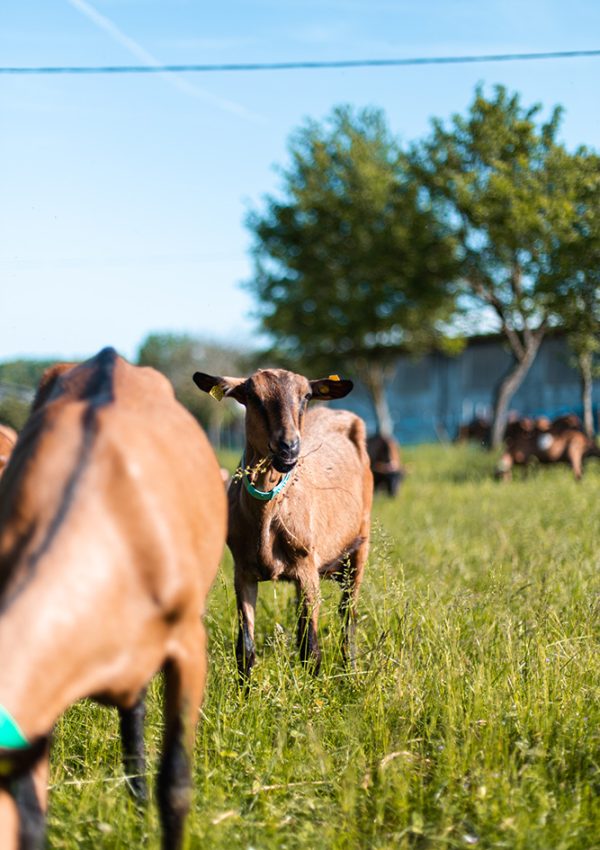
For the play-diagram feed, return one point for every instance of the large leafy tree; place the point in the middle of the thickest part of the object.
(497, 176)
(351, 265)
(573, 279)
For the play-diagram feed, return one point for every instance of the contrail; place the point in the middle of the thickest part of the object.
(147, 58)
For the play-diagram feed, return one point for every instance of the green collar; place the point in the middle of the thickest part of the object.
(11, 737)
(262, 495)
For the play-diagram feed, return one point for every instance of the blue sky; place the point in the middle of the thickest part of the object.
(123, 198)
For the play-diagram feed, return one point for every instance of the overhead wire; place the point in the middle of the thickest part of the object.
(303, 65)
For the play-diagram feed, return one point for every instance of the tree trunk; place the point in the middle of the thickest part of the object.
(214, 429)
(374, 377)
(584, 361)
(508, 387)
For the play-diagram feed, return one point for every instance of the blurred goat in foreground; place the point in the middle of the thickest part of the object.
(112, 524)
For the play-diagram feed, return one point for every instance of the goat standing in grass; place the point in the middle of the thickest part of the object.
(545, 442)
(384, 454)
(301, 509)
(112, 525)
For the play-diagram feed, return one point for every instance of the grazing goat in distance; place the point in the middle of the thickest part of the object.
(8, 438)
(567, 422)
(300, 510)
(384, 455)
(112, 525)
(478, 429)
(545, 441)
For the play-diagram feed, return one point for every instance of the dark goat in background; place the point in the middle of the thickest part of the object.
(384, 455)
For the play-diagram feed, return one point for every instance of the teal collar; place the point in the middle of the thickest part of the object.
(11, 737)
(262, 495)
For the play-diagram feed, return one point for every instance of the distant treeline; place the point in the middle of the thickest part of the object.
(177, 356)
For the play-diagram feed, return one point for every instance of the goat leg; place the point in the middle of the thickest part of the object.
(32, 821)
(575, 455)
(184, 684)
(246, 592)
(350, 579)
(307, 591)
(504, 467)
(132, 740)
(23, 801)
(347, 611)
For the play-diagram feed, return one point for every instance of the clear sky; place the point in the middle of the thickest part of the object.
(123, 198)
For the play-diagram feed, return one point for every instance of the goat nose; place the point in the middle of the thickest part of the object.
(290, 449)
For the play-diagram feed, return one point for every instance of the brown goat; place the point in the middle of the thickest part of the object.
(559, 441)
(478, 429)
(384, 455)
(8, 438)
(112, 525)
(301, 509)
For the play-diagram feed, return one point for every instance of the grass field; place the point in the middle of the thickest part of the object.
(473, 717)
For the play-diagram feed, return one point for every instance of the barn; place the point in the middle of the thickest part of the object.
(430, 397)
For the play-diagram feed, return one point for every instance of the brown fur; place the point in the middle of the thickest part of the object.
(559, 441)
(384, 455)
(478, 429)
(112, 524)
(568, 422)
(319, 524)
(8, 438)
(47, 383)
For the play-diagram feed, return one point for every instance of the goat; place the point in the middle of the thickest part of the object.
(478, 429)
(112, 525)
(8, 438)
(300, 510)
(547, 442)
(384, 456)
(567, 422)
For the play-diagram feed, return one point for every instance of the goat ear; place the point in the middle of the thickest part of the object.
(328, 388)
(220, 387)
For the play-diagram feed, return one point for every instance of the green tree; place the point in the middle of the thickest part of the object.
(351, 265)
(178, 356)
(573, 280)
(23, 374)
(497, 176)
(14, 411)
(18, 382)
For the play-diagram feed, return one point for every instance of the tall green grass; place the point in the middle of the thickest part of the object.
(472, 719)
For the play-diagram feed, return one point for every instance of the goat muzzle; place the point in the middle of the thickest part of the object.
(285, 456)
(283, 463)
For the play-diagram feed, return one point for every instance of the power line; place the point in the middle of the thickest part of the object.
(292, 66)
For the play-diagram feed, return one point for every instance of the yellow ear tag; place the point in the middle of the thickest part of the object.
(217, 392)
(323, 389)
(334, 377)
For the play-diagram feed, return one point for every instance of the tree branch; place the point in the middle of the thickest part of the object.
(511, 334)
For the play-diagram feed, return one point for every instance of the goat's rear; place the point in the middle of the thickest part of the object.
(112, 525)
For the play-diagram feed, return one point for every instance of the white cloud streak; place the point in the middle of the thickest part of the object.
(147, 58)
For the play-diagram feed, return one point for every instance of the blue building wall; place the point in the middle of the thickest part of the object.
(431, 397)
